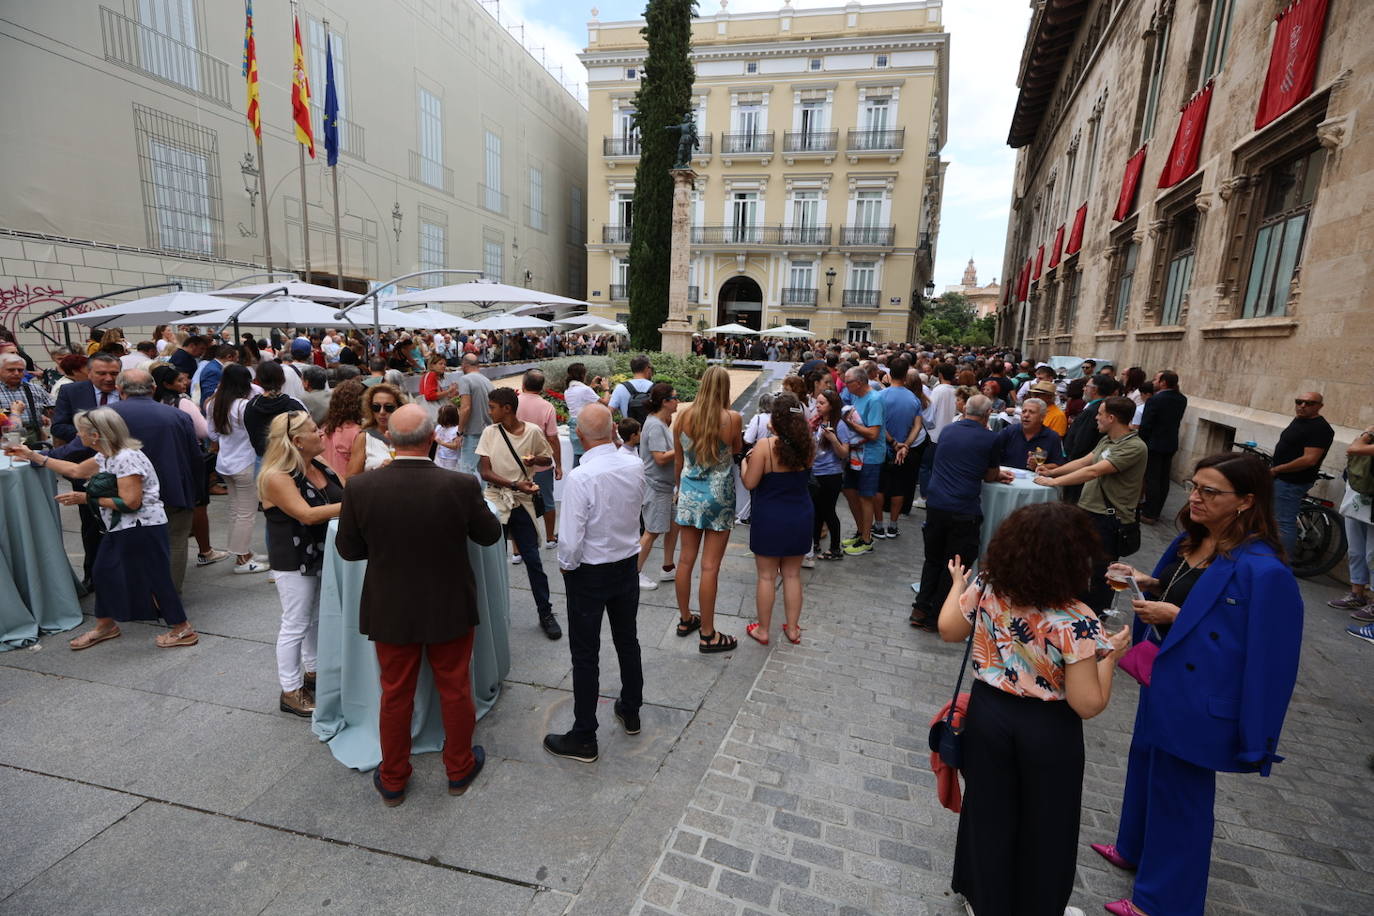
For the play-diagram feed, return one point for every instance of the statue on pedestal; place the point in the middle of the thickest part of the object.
(686, 143)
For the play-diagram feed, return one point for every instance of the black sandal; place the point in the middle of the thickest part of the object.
(716, 642)
(686, 627)
(831, 555)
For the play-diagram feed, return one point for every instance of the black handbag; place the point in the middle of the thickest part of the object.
(946, 740)
(539, 507)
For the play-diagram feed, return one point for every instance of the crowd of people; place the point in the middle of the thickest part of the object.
(289, 428)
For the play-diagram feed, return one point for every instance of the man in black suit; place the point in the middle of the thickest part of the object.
(411, 521)
(1159, 424)
(1083, 434)
(98, 391)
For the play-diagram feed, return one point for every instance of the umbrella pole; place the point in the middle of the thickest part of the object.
(234, 318)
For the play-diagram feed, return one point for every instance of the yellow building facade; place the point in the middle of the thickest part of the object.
(817, 200)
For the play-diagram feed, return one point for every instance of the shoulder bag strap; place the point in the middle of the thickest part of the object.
(963, 666)
(518, 460)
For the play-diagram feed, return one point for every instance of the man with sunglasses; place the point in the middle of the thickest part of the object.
(1298, 456)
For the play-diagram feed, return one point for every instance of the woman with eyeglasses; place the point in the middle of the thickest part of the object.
(300, 493)
(372, 447)
(1216, 650)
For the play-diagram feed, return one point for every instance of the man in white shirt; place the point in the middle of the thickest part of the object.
(940, 413)
(598, 549)
(299, 351)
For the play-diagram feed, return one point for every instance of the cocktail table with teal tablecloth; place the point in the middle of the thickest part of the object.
(37, 585)
(1002, 499)
(347, 689)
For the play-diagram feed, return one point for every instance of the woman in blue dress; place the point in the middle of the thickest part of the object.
(778, 472)
(708, 436)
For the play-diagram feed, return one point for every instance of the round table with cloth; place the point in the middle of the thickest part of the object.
(37, 584)
(1002, 499)
(348, 689)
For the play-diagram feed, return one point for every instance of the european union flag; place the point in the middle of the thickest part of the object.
(331, 108)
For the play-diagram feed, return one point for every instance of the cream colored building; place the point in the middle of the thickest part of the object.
(1251, 276)
(817, 201)
(128, 158)
(985, 299)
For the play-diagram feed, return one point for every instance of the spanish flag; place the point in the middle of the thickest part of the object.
(250, 72)
(300, 95)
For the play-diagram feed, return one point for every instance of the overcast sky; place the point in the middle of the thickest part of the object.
(985, 47)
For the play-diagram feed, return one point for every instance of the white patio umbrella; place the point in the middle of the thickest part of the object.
(269, 313)
(487, 294)
(732, 329)
(571, 320)
(434, 319)
(511, 322)
(602, 327)
(296, 289)
(165, 308)
(786, 330)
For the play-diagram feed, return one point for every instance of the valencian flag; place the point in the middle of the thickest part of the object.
(1183, 155)
(300, 95)
(250, 72)
(1080, 219)
(1057, 251)
(331, 106)
(1129, 183)
(1293, 59)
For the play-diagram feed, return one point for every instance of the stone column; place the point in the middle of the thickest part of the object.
(677, 330)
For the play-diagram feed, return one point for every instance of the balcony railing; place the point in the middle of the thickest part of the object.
(489, 198)
(810, 141)
(620, 291)
(620, 146)
(866, 140)
(861, 298)
(792, 295)
(352, 138)
(867, 236)
(806, 235)
(703, 144)
(431, 172)
(615, 235)
(132, 44)
(758, 142)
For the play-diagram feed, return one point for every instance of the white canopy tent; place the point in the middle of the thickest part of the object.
(296, 289)
(737, 330)
(166, 308)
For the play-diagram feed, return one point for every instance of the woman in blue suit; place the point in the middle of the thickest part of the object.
(1226, 616)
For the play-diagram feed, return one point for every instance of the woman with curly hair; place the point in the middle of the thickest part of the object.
(1041, 665)
(341, 424)
(372, 444)
(778, 471)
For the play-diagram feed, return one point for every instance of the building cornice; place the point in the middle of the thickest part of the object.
(790, 47)
(795, 15)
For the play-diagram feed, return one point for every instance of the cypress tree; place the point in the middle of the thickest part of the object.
(663, 101)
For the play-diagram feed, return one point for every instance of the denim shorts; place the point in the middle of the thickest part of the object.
(865, 480)
(545, 481)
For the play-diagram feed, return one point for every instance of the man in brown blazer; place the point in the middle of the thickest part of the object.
(411, 520)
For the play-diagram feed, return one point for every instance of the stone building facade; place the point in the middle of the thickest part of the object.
(129, 159)
(819, 175)
(1250, 275)
(985, 299)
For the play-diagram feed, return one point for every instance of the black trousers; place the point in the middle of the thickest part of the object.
(1157, 465)
(92, 530)
(823, 500)
(900, 479)
(946, 536)
(1099, 595)
(1023, 788)
(591, 589)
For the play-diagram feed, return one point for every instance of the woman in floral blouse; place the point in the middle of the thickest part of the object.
(1042, 665)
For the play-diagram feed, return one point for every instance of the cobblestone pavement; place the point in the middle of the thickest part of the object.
(821, 800)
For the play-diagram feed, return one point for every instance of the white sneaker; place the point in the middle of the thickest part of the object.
(516, 559)
(667, 575)
(214, 556)
(646, 583)
(252, 566)
(1073, 911)
(551, 545)
(918, 503)
(809, 561)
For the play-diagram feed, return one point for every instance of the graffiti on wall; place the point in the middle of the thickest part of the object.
(21, 302)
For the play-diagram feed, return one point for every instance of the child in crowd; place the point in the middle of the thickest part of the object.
(446, 436)
(628, 431)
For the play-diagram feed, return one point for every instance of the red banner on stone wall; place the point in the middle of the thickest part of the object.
(1023, 282)
(1183, 155)
(1039, 262)
(1293, 59)
(1129, 183)
(1080, 219)
(1057, 249)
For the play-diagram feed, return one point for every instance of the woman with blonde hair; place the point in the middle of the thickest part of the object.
(132, 572)
(708, 437)
(300, 494)
(372, 445)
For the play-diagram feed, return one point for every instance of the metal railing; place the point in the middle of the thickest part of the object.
(863, 140)
(430, 172)
(703, 144)
(620, 291)
(806, 235)
(620, 146)
(134, 45)
(758, 142)
(489, 198)
(861, 298)
(736, 235)
(868, 236)
(794, 295)
(810, 141)
(615, 235)
(352, 137)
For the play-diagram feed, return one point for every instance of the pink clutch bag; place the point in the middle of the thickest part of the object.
(1139, 661)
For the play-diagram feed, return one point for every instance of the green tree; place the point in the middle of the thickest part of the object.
(954, 309)
(663, 101)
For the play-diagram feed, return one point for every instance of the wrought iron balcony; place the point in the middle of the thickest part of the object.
(867, 236)
(703, 146)
(351, 134)
(620, 291)
(430, 172)
(129, 43)
(806, 235)
(620, 146)
(861, 298)
(615, 235)
(758, 142)
(798, 296)
(876, 140)
(810, 141)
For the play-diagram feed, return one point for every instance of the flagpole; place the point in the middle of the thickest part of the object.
(334, 174)
(305, 206)
(266, 217)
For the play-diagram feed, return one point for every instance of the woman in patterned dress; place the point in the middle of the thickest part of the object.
(708, 437)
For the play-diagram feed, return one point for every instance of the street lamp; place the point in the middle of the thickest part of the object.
(829, 282)
(930, 289)
(396, 217)
(249, 171)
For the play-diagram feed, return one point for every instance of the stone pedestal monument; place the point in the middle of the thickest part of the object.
(677, 330)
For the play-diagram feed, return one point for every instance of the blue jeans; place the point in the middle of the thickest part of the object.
(1359, 543)
(1287, 502)
(467, 459)
(521, 530)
